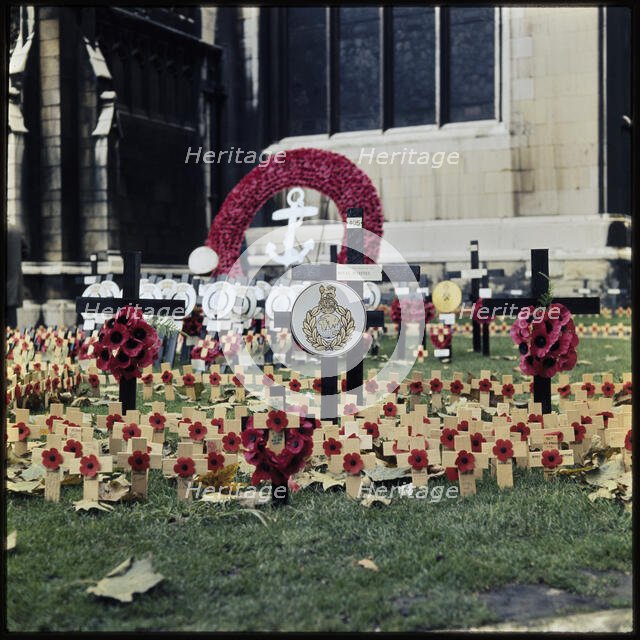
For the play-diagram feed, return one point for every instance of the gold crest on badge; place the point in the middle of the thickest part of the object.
(446, 296)
(328, 326)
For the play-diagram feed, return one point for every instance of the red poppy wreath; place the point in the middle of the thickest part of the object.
(277, 467)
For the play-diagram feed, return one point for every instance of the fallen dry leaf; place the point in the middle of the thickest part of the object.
(367, 563)
(115, 489)
(129, 577)
(34, 472)
(374, 501)
(89, 505)
(11, 541)
(26, 486)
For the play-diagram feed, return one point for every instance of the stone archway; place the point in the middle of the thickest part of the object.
(332, 174)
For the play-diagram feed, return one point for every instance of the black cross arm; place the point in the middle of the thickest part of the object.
(111, 305)
(282, 319)
(578, 306)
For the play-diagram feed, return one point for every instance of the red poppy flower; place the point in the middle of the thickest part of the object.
(51, 459)
(343, 384)
(75, 447)
(184, 467)
(589, 388)
(578, 431)
(535, 418)
(608, 389)
(436, 385)
(197, 431)
(484, 385)
(218, 423)
(294, 442)
(17, 369)
(138, 461)
(252, 438)
(131, 430)
(416, 387)
(565, 391)
(627, 388)
(277, 420)
(147, 379)
(94, 381)
(463, 425)
(392, 386)
(166, 377)
(476, 442)
(352, 463)
(23, 431)
(214, 379)
(551, 459)
(418, 459)
(157, 421)
(466, 462)
(522, 429)
(350, 409)
(605, 417)
(558, 435)
(372, 429)
(215, 461)
(317, 385)
(89, 466)
(456, 387)
(295, 385)
(627, 441)
(231, 442)
(508, 390)
(390, 409)
(332, 447)
(447, 438)
(188, 379)
(371, 386)
(586, 419)
(503, 450)
(238, 380)
(111, 418)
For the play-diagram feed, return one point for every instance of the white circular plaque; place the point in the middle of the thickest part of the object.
(328, 319)
(219, 299)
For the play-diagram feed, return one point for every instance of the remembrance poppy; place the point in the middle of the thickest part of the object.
(215, 461)
(436, 385)
(51, 459)
(197, 431)
(157, 421)
(277, 420)
(456, 387)
(503, 450)
(184, 467)
(138, 461)
(578, 430)
(131, 430)
(332, 447)
(353, 463)
(231, 442)
(188, 379)
(166, 377)
(214, 379)
(372, 429)
(551, 459)
(390, 409)
(295, 385)
(447, 438)
(75, 447)
(465, 462)
(89, 466)
(418, 459)
(508, 390)
(476, 442)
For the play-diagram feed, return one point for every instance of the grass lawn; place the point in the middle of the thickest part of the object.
(226, 570)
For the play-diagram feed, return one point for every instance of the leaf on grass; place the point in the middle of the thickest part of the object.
(380, 473)
(11, 541)
(611, 358)
(89, 505)
(585, 362)
(367, 563)
(129, 577)
(222, 478)
(83, 401)
(374, 501)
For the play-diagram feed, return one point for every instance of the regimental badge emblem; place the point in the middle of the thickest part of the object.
(328, 319)
(328, 326)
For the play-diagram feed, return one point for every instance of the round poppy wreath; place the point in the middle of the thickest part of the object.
(277, 467)
(332, 174)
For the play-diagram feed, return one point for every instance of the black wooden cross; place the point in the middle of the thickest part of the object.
(130, 297)
(478, 277)
(540, 287)
(320, 272)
